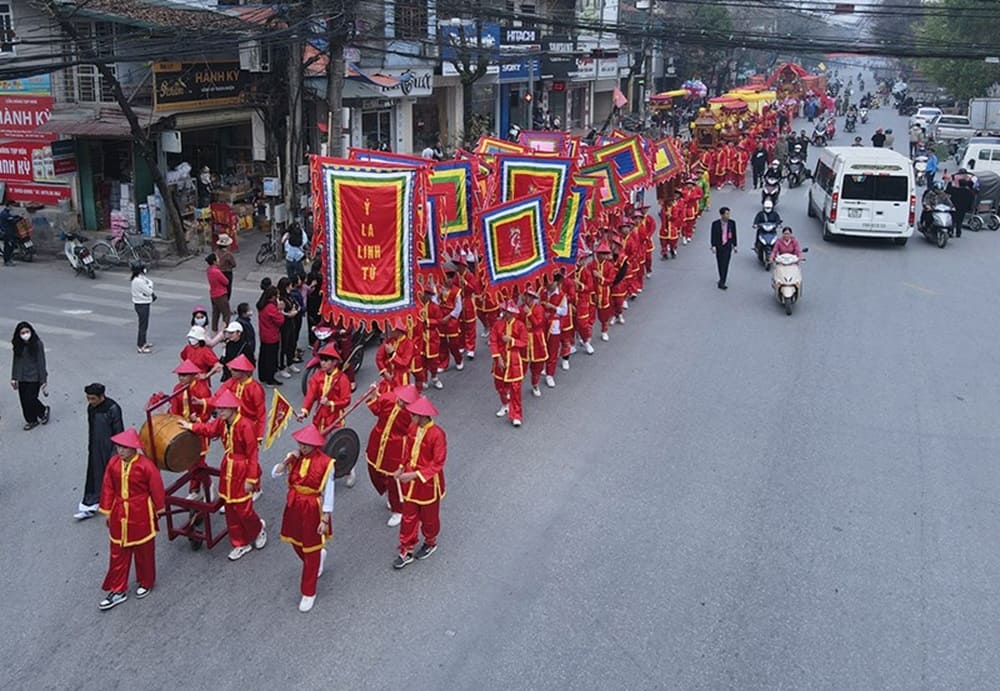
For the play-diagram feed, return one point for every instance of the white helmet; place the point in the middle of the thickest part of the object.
(768, 205)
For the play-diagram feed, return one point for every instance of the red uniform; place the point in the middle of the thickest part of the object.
(239, 467)
(193, 406)
(554, 321)
(426, 451)
(332, 394)
(567, 323)
(307, 479)
(604, 275)
(584, 304)
(395, 366)
(251, 396)
(619, 290)
(429, 341)
(131, 497)
(537, 351)
(451, 327)
(472, 287)
(203, 356)
(384, 451)
(508, 363)
(487, 310)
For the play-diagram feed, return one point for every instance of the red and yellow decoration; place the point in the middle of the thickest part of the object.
(513, 236)
(277, 420)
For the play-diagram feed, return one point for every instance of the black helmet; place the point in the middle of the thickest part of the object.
(137, 266)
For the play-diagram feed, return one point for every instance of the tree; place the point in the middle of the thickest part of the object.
(961, 23)
(709, 59)
(470, 57)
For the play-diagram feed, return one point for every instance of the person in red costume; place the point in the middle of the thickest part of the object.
(239, 472)
(537, 351)
(508, 341)
(307, 522)
(567, 322)
(384, 451)
(450, 300)
(192, 405)
(429, 341)
(394, 357)
(421, 481)
(472, 288)
(329, 389)
(201, 354)
(250, 393)
(583, 306)
(132, 499)
(604, 276)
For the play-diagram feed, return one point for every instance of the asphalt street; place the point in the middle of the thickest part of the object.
(722, 497)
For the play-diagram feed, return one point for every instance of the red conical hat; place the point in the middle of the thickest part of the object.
(240, 363)
(511, 307)
(604, 247)
(309, 436)
(422, 406)
(397, 324)
(407, 394)
(129, 438)
(225, 399)
(330, 350)
(187, 367)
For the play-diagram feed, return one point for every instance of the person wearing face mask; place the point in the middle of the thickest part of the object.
(28, 375)
(201, 354)
(199, 317)
(142, 297)
(205, 188)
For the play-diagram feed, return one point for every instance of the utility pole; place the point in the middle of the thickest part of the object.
(339, 29)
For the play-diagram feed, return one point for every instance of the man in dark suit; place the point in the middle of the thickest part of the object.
(723, 243)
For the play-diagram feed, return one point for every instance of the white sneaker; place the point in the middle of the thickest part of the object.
(516, 423)
(261, 540)
(536, 392)
(621, 318)
(572, 350)
(322, 562)
(604, 335)
(460, 365)
(239, 552)
(485, 334)
(295, 368)
(426, 385)
(351, 478)
(649, 274)
(502, 412)
(394, 520)
(613, 319)
(471, 354)
(285, 375)
(306, 603)
(437, 383)
(85, 511)
(256, 495)
(625, 304)
(197, 495)
(589, 348)
(550, 381)
(565, 364)
(388, 505)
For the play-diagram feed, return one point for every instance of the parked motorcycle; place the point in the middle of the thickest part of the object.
(796, 167)
(864, 115)
(786, 279)
(767, 235)
(771, 188)
(941, 225)
(24, 248)
(350, 344)
(78, 254)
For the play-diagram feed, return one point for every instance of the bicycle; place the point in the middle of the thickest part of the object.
(118, 250)
(271, 249)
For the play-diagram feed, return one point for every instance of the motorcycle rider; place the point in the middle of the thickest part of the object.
(932, 197)
(765, 215)
(786, 244)
(8, 231)
(857, 142)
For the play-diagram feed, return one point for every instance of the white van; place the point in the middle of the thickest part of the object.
(985, 151)
(865, 192)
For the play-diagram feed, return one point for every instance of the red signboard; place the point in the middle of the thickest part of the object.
(31, 193)
(20, 116)
(15, 161)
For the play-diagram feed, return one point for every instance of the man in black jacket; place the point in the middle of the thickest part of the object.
(104, 420)
(758, 163)
(723, 244)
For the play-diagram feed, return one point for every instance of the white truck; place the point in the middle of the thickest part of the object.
(984, 114)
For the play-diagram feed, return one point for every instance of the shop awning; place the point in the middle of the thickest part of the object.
(374, 78)
(100, 121)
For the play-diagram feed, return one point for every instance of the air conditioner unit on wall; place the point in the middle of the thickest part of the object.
(254, 57)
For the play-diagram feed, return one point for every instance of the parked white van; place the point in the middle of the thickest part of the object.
(985, 151)
(865, 192)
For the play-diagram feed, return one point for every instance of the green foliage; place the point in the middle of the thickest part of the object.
(963, 78)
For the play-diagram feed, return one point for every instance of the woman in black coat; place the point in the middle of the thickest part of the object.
(28, 375)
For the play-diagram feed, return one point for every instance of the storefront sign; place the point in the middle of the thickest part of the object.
(63, 157)
(520, 41)
(15, 161)
(586, 69)
(31, 193)
(39, 84)
(21, 115)
(607, 68)
(199, 85)
(519, 71)
(558, 61)
(467, 42)
(411, 83)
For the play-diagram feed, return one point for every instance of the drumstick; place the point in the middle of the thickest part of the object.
(364, 397)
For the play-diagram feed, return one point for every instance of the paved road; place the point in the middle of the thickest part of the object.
(721, 497)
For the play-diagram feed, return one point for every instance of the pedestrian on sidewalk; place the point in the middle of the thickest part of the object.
(269, 321)
(226, 261)
(8, 231)
(28, 375)
(289, 337)
(142, 298)
(218, 287)
(723, 244)
(104, 421)
(295, 242)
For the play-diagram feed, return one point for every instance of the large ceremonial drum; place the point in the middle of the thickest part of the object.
(176, 448)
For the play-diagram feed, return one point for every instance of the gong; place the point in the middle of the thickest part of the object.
(343, 447)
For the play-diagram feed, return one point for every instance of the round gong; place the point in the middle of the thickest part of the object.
(343, 447)
(176, 448)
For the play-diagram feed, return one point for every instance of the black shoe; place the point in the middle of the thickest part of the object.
(425, 551)
(30, 425)
(402, 560)
(111, 601)
(45, 417)
(723, 286)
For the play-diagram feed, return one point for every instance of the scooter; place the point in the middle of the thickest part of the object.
(767, 235)
(941, 226)
(78, 254)
(864, 116)
(819, 135)
(850, 123)
(831, 129)
(24, 248)
(786, 279)
(920, 169)
(771, 188)
(796, 167)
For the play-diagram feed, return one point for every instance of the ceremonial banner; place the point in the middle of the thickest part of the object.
(427, 246)
(542, 142)
(667, 162)
(524, 176)
(513, 235)
(366, 216)
(608, 193)
(493, 145)
(356, 154)
(451, 185)
(566, 239)
(629, 162)
(277, 420)
(592, 188)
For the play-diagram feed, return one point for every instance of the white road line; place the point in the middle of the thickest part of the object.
(159, 293)
(68, 314)
(198, 286)
(103, 302)
(44, 329)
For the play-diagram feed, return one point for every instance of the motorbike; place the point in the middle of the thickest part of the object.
(78, 254)
(864, 116)
(796, 167)
(767, 235)
(771, 188)
(819, 135)
(850, 123)
(831, 128)
(24, 248)
(941, 225)
(920, 169)
(786, 279)
(350, 344)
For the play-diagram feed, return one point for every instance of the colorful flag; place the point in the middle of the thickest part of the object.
(609, 193)
(667, 161)
(277, 420)
(629, 162)
(566, 239)
(619, 98)
(525, 176)
(542, 142)
(451, 184)
(493, 145)
(513, 236)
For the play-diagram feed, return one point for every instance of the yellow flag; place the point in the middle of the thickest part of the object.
(281, 413)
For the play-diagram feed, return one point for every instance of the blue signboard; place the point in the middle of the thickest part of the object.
(518, 71)
(454, 37)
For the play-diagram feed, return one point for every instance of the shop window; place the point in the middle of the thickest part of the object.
(411, 19)
(6, 29)
(84, 83)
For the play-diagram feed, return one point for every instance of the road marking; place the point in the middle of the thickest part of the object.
(44, 329)
(198, 286)
(159, 293)
(89, 316)
(94, 300)
(919, 289)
